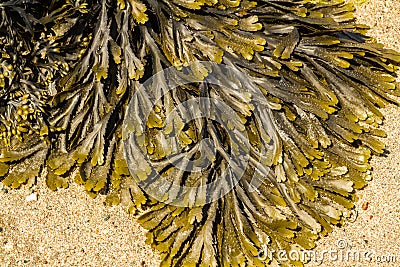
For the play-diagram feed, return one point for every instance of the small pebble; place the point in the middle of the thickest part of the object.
(31, 197)
(365, 206)
(8, 246)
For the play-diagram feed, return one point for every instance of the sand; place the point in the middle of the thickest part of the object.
(68, 228)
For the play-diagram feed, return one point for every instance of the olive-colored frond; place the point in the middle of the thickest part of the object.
(23, 164)
(230, 125)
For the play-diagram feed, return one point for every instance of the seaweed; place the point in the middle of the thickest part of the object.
(227, 125)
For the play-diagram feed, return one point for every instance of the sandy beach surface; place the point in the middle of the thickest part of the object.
(68, 228)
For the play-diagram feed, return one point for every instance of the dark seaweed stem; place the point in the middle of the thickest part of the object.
(229, 125)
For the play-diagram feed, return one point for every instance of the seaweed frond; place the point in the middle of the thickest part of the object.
(105, 92)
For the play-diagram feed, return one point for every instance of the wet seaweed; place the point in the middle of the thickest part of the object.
(72, 107)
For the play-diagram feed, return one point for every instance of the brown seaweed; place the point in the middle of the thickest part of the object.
(292, 86)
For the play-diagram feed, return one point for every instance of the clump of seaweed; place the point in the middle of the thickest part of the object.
(70, 74)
